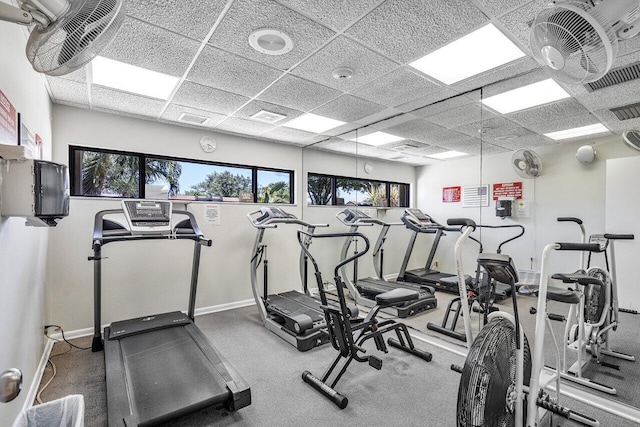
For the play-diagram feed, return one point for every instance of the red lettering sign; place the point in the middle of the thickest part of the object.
(451, 194)
(8, 128)
(507, 189)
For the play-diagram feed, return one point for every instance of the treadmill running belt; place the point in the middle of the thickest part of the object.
(165, 372)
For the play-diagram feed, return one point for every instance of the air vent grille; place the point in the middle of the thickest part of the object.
(627, 112)
(193, 119)
(617, 76)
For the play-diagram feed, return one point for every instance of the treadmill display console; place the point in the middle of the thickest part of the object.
(278, 213)
(419, 215)
(148, 216)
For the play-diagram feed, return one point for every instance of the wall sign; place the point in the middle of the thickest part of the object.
(8, 122)
(451, 194)
(507, 189)
(475, 196)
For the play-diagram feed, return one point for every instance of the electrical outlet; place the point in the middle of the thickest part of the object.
(435, 264)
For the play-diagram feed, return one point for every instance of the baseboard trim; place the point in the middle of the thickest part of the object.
(37, 378)
(79, 333)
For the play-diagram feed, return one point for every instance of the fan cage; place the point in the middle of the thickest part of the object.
(76, 38)
(583, 37)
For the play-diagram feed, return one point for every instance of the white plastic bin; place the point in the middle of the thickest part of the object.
(65, 412)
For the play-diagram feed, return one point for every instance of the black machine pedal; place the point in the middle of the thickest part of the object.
(374, 362)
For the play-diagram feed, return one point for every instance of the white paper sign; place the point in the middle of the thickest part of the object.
(211, 215)
(522, 208)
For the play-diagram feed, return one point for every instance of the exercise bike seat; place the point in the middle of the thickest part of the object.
(396, 297)
(563, 295)
(577, 277)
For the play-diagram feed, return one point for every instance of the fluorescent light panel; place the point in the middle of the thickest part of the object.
(539, 93)
(475, 53)
(576, 132)
(313, 123)
(378, 138)
(132, 79)
(446, 155)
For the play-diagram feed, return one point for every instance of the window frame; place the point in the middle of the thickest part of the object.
(75, 168)
(334, 178)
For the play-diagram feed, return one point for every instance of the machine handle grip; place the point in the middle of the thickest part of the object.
(587, 247)
(619, 236)
(204, 241)
(462, 222)
(570, 219)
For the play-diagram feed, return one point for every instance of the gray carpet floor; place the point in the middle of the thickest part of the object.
(407, 391)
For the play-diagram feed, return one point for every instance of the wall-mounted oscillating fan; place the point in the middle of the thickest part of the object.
(67, 34)
(526, 163)
(632, 139)
(578, 41)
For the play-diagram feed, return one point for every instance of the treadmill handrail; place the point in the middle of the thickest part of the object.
(333, 235)
(343, 216)
(271, 222)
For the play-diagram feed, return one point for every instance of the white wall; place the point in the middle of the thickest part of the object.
(23, 250)
(564, 188)
(141, 278)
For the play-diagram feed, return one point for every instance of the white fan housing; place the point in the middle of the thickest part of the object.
(578, 42)
(67, 34)
(526, 163)
(632, 139)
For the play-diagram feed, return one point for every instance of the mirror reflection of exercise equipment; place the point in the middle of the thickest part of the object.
(364, 290)
(594, 313)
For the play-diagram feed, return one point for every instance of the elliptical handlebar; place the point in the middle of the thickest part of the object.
(619, 236)
(570, 219)
(585, 247)
(464, 222)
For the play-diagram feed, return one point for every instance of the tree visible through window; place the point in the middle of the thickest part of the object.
(333, 190)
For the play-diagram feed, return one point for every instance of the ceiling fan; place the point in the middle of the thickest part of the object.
(577, 40)
(66, 34)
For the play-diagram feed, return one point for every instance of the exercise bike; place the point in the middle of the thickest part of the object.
(347, 334)
(481, 293)
(501, 379)
(594, 315)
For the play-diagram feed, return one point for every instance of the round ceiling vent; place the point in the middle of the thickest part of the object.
(270, 41)
(342, 73)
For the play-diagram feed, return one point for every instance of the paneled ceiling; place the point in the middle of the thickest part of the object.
(223, 79)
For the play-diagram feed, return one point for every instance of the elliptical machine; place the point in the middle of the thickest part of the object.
(595, 314)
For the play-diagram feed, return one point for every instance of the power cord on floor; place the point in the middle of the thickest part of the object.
(50, 362)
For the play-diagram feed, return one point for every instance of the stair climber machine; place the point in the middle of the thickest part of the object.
(364, 291)
(159, 367)
(482, 292)
(420, 223)
(295, 316)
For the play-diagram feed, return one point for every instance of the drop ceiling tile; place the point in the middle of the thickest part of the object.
(188, 17)
(416, 129)
(226, 71)
(488, 149)
(299, 94)
(492, 127)
(611, 97)
(68, 91)
(80, 75)
(626, 47)
(284, 134)
(462, 115)
(347, 127)
(382, 115)
(441, 106)
(348, 108)
(563, 123)
(256, 106)
(406, 30)
(609, 119)
(125, 103)
(517, 21)
(445, 138)
(398, 87)
(174, 111)
(500, 7)
(246, 16)
(336, 14)
(469, 146)
(529, 142)
(548, 112)
(153, 48)
(393, 121)
(426, 101)
(517, 81)
(501, 74)
(342, 52)
(243, 126)
(208, 98)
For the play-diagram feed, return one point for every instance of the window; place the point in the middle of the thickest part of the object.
(102, 173)
(336, 190)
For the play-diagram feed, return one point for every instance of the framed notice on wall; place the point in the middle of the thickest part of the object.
(8, 122)
(475, 196)
(28, 140)
(451, 194)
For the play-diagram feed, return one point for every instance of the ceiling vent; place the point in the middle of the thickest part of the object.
(270, 42)
(265, 116)
(193, 119)
(627, 112)
(617, 76)
(406, 146)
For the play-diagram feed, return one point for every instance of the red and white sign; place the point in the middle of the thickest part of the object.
(451, 194)
(8, 122)
(507, 189)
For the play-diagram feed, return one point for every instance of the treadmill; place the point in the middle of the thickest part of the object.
(295, 316)
(162, 366)
(418, 222)
(364, 290)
